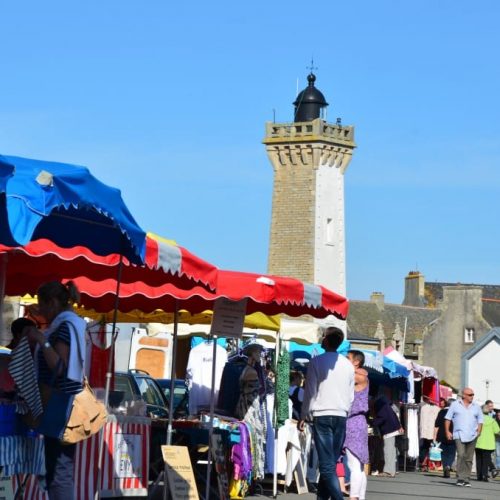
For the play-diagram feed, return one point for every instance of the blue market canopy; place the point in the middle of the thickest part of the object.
(395, 370)
(67, 205)
(373, 360)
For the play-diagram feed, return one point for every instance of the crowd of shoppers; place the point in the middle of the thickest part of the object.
(335, 399)
(464, 430)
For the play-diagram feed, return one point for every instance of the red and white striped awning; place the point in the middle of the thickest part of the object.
(264, 293)
(40, 261)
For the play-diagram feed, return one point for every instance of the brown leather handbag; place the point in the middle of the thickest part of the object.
(88, 416)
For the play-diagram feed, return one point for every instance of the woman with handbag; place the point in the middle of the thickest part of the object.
(60, 358)
(448, 449)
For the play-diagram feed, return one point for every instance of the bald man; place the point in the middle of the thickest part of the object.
(467, 418)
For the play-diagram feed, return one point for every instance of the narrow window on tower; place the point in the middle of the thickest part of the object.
(329, 231)
(469, 336)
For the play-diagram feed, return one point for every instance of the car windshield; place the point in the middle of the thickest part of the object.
(150, 392)
(122, 386)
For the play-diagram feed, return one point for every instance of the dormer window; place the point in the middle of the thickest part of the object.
(469, 336)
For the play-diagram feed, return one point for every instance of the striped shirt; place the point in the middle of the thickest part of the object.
(45, 374)
(22, 370)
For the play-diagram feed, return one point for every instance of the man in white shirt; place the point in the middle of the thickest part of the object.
(328, 396)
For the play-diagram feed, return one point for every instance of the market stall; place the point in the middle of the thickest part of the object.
(125, 463)
(66, 204)
(117, 293)
(260, 293)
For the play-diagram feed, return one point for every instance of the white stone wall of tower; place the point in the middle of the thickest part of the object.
(329, 243)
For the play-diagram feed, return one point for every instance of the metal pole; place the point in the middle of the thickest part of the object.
(172, 374)
(211, 424)
(109, 375)
(171, 394)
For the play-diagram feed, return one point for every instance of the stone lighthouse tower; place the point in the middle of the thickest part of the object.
(309, 158)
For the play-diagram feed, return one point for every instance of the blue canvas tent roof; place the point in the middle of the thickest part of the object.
(67, 205)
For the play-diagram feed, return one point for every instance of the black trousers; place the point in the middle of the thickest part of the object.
(483, 463)
(424, 446)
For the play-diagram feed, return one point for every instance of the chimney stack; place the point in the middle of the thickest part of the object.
(378, 298)
(414, 289)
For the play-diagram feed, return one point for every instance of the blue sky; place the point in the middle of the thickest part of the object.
(169, 103)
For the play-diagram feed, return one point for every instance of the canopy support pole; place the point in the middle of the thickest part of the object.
(211, 424)
(109, 375)
(172, 374)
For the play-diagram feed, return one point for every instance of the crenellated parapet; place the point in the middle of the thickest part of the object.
(309, 144)
(314, 131)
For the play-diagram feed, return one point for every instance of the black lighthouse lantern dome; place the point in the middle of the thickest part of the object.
(309, 102)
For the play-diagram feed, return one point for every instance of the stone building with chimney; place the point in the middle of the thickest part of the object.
(443, 325)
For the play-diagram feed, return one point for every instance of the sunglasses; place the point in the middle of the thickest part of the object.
(468, 394)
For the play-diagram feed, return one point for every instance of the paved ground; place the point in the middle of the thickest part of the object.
(413, 486)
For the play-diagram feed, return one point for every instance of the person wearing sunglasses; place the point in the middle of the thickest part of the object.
(467, 419)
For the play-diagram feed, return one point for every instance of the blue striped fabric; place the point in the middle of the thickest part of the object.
(22, 455)
(22, 370)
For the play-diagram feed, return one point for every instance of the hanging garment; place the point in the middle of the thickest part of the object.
(280, 446)
(22, 455)
(282, 386)
(220, 466)
(22, 370)
(99, 356)
(229, 391)
(430, 388)
(199, 374)
(412, 432)
(99, 366)
(428, 414)
(241, 456)
(249, 410)
(199, 340)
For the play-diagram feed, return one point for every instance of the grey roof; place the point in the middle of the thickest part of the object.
(364, 316)
(434, 290)
(491, 312)
(361, 338)
(491, 298)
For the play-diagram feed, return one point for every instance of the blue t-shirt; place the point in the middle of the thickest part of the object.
(45, 374)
